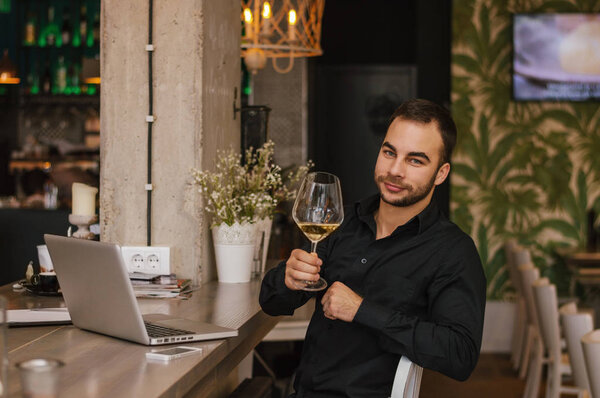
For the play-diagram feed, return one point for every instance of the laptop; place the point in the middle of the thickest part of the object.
(100, 298)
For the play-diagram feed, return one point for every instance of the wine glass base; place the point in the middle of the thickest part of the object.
(315, 286)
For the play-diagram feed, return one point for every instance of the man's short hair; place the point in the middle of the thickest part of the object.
(424, 111)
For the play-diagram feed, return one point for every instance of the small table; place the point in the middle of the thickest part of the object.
(585, 267)
(102, 366)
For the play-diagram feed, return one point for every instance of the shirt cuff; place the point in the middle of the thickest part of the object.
(373, 315)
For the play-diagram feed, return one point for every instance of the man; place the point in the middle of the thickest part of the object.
(403, 279)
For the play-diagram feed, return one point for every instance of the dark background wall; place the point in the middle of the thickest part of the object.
(368, 45)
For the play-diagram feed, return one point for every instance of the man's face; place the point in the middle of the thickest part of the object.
(408, 166)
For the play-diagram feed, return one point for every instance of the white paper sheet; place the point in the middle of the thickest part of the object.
(38, 316)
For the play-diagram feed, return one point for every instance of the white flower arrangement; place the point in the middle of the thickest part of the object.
(248, 191)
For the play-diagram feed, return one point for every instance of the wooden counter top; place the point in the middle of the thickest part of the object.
(102, 366)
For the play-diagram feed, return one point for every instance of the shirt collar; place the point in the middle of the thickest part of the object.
(365, 210)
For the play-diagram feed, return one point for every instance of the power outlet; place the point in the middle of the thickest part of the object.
(147, 259)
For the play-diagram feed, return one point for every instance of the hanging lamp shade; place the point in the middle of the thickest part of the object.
(280, 29)
(8, 71)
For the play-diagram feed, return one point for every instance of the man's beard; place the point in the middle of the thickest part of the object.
(414, 195)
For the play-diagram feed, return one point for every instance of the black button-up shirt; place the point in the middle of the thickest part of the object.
(423, 292)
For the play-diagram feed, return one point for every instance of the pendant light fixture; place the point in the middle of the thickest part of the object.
(280, 29)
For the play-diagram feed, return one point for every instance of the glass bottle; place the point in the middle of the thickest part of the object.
(47, 80)
(75, 80)
(90, 34)
(61, 76)
(96, 28)
(82, 31)
(51, 32)
(66, 29)
(30, 30)
(33, 81)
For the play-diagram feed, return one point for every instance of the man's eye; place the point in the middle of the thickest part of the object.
(389, 153)
(415, 161)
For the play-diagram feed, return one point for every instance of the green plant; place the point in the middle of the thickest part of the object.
(246, 191)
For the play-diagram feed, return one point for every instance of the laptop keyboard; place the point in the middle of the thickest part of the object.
(161, 331)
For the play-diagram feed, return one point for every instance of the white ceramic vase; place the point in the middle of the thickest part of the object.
(263, 235)
(234, 251)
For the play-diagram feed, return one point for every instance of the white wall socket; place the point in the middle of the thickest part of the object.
(147, 259)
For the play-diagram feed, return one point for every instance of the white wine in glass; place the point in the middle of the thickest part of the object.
(318, 211)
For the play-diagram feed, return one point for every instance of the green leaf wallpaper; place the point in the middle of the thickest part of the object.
(524, 170)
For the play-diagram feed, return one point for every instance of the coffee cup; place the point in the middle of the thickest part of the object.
(44, 258)
(45, 282)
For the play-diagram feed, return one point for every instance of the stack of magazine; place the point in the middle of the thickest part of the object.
(158, 286)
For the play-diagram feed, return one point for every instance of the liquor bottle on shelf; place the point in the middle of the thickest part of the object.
(90, 34)
(66, 29)
(33, 81)
(30, 30)
(51, 34)
(47, 80)
(81, 33)
(96, 28)
(75, 71)
(60, 82)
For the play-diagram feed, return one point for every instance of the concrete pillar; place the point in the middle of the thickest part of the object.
(196, 67)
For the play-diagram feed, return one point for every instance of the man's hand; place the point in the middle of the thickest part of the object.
(340, 302)
(301, 266)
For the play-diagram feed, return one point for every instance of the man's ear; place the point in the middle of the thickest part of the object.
(442, 173)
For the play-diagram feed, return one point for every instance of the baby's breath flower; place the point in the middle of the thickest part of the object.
(245, 192)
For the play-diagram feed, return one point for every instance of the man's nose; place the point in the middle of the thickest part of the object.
(398, 168)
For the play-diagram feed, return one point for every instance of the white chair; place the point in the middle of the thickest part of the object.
(520, 325)
(546, 300)
(574, 326)
(528, 274)
(590, 343)
(407, 381)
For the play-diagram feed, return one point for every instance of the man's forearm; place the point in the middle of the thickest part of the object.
(275, 298)
(449, 349)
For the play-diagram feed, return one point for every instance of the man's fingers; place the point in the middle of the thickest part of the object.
(304, 267)
(303, 276)
(308, 258)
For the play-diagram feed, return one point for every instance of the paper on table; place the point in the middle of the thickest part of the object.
(38, 316)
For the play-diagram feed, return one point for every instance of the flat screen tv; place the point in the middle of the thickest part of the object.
(556, 57)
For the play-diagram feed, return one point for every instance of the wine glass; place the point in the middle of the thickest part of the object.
(318, 211)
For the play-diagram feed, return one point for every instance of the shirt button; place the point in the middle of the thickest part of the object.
(364, 261)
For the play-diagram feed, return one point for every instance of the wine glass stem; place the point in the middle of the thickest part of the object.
(313, 247)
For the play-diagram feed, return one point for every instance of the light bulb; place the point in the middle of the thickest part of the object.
(266, 10)
(248, 23)
(247, 15)
(292, 25)
(292, 17)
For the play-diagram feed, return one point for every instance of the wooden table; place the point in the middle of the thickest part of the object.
(101, 366)
(585, 267)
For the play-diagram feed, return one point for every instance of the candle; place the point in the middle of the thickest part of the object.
(292, 25)
(248, 23)
(266, 22)
(84, 199)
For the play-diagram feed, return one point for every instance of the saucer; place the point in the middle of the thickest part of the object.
(34, 290)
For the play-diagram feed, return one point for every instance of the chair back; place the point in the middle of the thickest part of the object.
(510, 247)
(522, 256)
(529, 274)
(591, 352)
(407, 381)
(546, 304)
(574, 326)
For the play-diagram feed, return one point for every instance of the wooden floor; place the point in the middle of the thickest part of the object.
(493, 377)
